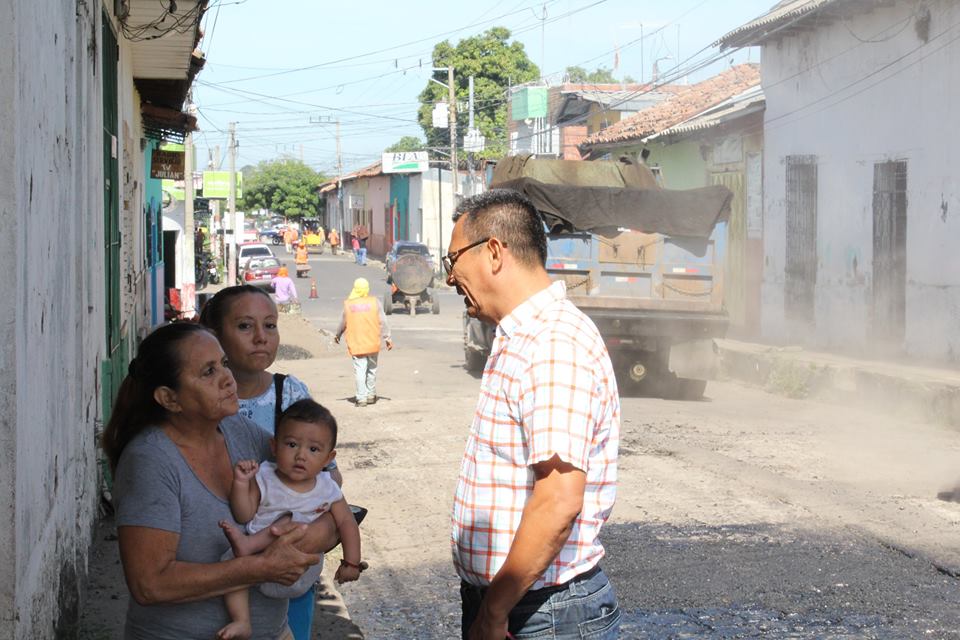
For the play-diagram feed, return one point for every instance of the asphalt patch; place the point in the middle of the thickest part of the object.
(749, 581)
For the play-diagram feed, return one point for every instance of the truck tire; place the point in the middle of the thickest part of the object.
(473, 360)
(387, 303)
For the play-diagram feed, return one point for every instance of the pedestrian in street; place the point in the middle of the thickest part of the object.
(302, 259)
(294, 237)
(361, 233)
(334, 239)
(284, 289)
(244, 318)
(355, 245)
(172, 440)
(538, 477)
(365, 324)
(288, 239)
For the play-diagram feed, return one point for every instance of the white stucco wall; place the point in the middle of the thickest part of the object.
(433, 206)
(51, 339)
(830, 95)
(135, 286)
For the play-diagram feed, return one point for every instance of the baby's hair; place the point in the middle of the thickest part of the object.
(308, 410)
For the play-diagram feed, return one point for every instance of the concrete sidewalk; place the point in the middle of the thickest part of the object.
(932, 394)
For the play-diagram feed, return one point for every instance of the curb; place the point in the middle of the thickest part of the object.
(905, 391)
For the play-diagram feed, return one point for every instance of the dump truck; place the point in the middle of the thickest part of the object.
(644, 263)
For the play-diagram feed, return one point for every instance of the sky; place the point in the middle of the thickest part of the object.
(286, 70)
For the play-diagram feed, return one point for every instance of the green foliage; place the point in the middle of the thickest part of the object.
(285, 186)
(600, 75)
(495, 65)
(406, 143)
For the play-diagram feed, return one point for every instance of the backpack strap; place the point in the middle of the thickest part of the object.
(278, 380)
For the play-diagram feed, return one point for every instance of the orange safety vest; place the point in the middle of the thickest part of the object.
(363, 326)
(301, 256)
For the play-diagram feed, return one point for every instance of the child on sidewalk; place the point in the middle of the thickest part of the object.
(294, 487)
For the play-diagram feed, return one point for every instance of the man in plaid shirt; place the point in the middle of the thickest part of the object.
(538, 477)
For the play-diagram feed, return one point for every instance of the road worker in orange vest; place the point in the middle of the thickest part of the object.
(365, 324)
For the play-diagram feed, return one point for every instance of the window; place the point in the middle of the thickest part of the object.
(801, 257)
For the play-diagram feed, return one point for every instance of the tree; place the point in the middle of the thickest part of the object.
(495, 65)
(285, 186)
(406, 143)
(600, 75)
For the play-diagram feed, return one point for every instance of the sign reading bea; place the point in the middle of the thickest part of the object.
(406, 162)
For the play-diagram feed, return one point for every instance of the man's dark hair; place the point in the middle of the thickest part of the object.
(510, 217)
(308, 410)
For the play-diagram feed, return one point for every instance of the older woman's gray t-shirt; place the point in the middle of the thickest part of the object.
(155, 487)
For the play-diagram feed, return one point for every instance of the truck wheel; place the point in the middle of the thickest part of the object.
(474, 360)
(387, 303)
(435, 307)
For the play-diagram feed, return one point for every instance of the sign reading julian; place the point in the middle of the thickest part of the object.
(166, 165)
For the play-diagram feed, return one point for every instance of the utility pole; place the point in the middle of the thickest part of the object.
(470, 133)
(232, 207)
(216, 226)
(340, 228)
(453, 135)
(190, 250)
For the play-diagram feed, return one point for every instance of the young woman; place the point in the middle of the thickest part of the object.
(244, 318)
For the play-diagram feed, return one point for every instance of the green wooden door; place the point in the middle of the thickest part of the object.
(114, 367)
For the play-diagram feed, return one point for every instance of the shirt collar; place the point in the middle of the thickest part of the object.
(531, 308)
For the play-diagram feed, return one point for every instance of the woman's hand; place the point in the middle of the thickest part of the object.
(283, 561)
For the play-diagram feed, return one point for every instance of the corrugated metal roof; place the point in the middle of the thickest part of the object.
(691, 102)
(760, 28)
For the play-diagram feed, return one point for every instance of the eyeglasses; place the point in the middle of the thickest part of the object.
(451, 258)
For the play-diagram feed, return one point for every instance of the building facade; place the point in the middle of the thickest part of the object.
(860, 209)
(77, 254)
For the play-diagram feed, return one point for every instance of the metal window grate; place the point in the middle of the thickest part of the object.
(801, 255)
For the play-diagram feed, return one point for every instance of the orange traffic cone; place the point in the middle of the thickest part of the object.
(313, 288)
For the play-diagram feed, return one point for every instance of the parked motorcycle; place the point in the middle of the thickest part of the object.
(205, 270)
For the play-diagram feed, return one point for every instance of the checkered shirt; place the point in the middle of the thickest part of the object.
(548, 389)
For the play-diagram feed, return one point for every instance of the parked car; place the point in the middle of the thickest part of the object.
(410, 274)
(249, 250)
(271, 235)
(250, 233)
(402, 247)
(260, 271)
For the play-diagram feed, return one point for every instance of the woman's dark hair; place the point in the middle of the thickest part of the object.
(158, 364)
(217, 307)
(308, 410)
(509, 216)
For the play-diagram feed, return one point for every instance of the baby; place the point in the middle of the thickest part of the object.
(294, 487)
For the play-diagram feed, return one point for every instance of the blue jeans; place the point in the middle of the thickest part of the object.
(365, 375)
(362, 256)
(300, 614)
(585, 607)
